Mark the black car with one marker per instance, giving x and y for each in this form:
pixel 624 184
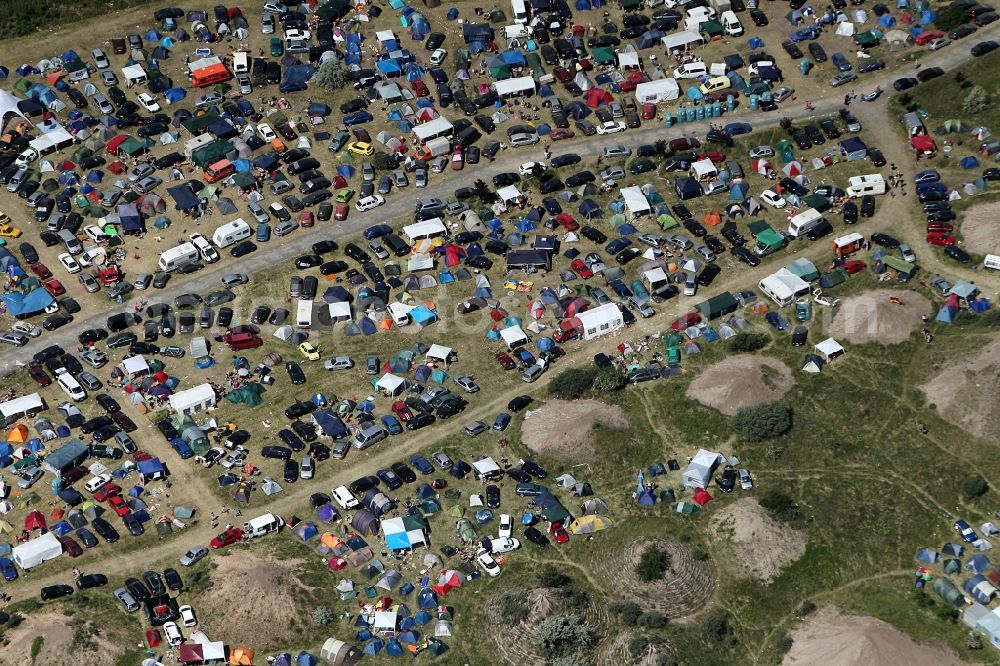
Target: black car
pixel 136 588
pixel 929 73
pixel 299 408
pixel 403 472
pixel 829 127
pixel 904 83
pixel 799 336
pixel 708 275
pixel 878 159
pixel 293 441
pixel 746 256
pixel 568 159
pixel 518 403
pixel 132 524
pixel 727 481
pixel 731 234
pixel 492 496
pixel 792 49
pixel 536 537
pixel 241 249
pixel 304 430
pixel 695 227
pixel 534 469
pixel 867 205
pixel 885 240
pixel 276 452
pixel 982 48
pixel 291 471
pixel 759 19
pixel 820 230
pixel 450 406
pixel 962 31
pixel 154 582
pixel 363 485
pixel 420 420
pixel 595 235
pixel 817 52
pixel 356 253
pixel 50 592
pixel 958 254
pixel 173 579
pixel 519 475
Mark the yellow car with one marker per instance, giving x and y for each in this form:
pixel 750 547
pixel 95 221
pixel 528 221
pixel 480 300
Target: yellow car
pixel 361 148
pixel 7 230
pixel 309 351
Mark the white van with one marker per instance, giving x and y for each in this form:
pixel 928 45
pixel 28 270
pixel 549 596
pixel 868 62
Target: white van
pixel 731 24
pixel 992 262
pixel 344 498
pixel 858 186
pixel 804 222
pixel 231 233
pixel 69 385
pixel 691 70
pixel 176 257
pixel 205 249
pixel 304 314
pixel 519 11
pixel 241 62
pixel 262 525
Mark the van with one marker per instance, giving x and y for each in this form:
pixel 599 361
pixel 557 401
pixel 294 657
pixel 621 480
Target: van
pixel 344 498
pixel 992 262
pixel 396 245
pixel 859 186
pixel 369 435
pixel 69 239
pixel 241 62
pixel 208 253
pixel 519 11
pixel 231 233
pixel 176 257
pixel 715 83
pixel 262 525
pixel 304 314
pixel 691 70
pixel 219 170
pixel 18 179
pixel 731 24
pixel 801 224
pixel 69 385
pixel 237 341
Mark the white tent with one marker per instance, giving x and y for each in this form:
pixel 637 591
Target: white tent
pixel 425 229
pixel 699 471
pixel 635 200
pixel 195 399
pixel 8 105
pixel 440 126
pixel 681 40
pixel 517 87
pixel 420 262
pixel 5 506
pixel 284 333
pixel 845 29
pixel 383 621
pixel 270 486
pixel 340 311
pixel 829 349
pixel 509 194
pixel 23 406
pixel 513 336
pixel 31 554
pixel 486 467
pixel 135 365
pixel 391 383
pixel 654 92
pixel 704 170
pixel 439 352
pixel 601 320
pixel 627 59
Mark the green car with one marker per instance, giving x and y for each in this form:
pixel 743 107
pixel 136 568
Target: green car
pixel 344 195
pixel 673 356
pixel 276 47
pixel 803 311
pixel 121 340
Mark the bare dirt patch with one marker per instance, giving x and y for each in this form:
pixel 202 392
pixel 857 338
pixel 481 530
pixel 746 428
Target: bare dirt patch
pixel 754 543
pixel 981 228
pixel 872 317
pixel 60 647
pixel 562 427
pixel 833 639
pixel 242 584
pixel 965 391
pixel 683 591
pixel 741 381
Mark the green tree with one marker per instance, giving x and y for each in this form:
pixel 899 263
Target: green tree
pixel 653 563
pixel 513 609
pixel 717 625
pixel 609 380
pixel 976 101
pixel 330 76
pixel 322 616
pixel 628 611
pixel 572 383
pixel 383 161
pixel 560 635
pixel 483 191
pixel 782 643
pixel 550 576
pixel 749 341
pixel 651 620
pixel 781 506
pixel 765 421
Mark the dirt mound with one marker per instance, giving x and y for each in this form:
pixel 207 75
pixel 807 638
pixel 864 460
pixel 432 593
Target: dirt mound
pixel 833 639
pixel 965 391
pixel 562 427
pixel 61 645
pixel 741 381
pixel 684 589
pixel 981 227
pixel 872 317
pixel 755 544
pixel 242 584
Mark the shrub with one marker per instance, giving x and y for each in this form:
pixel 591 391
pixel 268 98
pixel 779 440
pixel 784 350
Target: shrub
pixel 574 597
pixel 652 564
pixel 330 76
pixel 974 486
pixel 382 161
pixel 807 607
pixel 609 380
pixel 973 641
pixel 748 341
pixel 717 625
pixel 563 635
pixel 513 609
pixel 652 620
pixel 976 101
pixel 949 18
pixel 571 660
pixel 699 554
pixel 322 616
pixel 765 421
pixel 783 643
pixel 628 611
pixel 550 576
pixel 36 647
pixel 572 383
pixel 780 505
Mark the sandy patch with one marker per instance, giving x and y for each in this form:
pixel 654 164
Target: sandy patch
pixel 243 583
pixel 755 544
pixel 562 427
pixel 833 639
pixel 966 389
pixel 59 647
pixel 981 228
pixel 741 381
pixel 872 317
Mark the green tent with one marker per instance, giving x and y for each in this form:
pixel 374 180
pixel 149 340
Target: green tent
pixel 666 221
pixel 687 508
pixel 245 181
pixel 673 339
pixel 243 396
pixel 196 124
pixel 211 153
pixel 456 511
pixel 432 506
pixel 817 201
pixel 500 73
pixel 711 28
pixel 22 86
pixel 604 55
pixel 867 39
pixel 466 531
pixel 833 278
pixel 785 150
pixel 132 147
pixel 904 268
pixel 436 647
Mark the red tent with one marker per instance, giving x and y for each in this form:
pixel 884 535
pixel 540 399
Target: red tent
pixel 596 97
pixel 453 254
pixel 113 144
pixel 336 564
pixel 161 376
pixel 35 521
pixel 117 168
pixel 701 497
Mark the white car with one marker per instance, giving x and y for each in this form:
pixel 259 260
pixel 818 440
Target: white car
pixel 338 363
pixel 266 133
pixel 293 34
pixel 244 83
pixel 148 102
pixel 94 233
pixel 28 329
pixel 773 199
pixel 761 151
pixel 344 498
pixel 69 263
pixel 97 482
pixel 746 483
pixel 532 168
pixel 173 632
pixel 488 564
pixel 506 526
pixel 367 203
pixel 610 127
pixel 504 545
pixel 187 616
pixel 754 68
pixel 438 56
pixel 907 253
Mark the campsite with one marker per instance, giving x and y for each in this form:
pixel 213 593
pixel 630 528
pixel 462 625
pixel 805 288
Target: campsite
pixel 547 332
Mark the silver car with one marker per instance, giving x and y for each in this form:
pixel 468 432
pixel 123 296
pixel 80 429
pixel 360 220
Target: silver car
pixel 705 253
pixel 613 173
pixel 523 139
pixel 617 151
pixel 29 477
pixel 399 179
pixel 680 241
pixel 339 363
pixel 532 373
pixel 109 78
pixel 14 338
pixel 193 555
pixel 127 600
pixel 285 228
pixel 100 59
pixel 244 82
pixel 146 184
pixel 208 99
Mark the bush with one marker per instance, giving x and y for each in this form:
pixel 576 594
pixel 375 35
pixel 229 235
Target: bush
pixel 974 486
pixel 652 564
pixel 783 643
pixel 976 101
pixel 652 620
pixel 973 641
pixel 513 609
pixel 571 660
pixel 628 611
pixel 699 554
pixel 330 76
pixel 781 506
pixel 560 635
pixel 807 607
pixel 748 341
pixel 949 18
pixel 717 626
pixel 574 597
pixel 550 576
pixel 322 616
pixel 572 383
pixel 609 380
pixel 765 421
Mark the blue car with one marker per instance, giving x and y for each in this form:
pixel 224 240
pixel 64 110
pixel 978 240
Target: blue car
pixel 805 34
pixel 927 176
pixel 502 421
pixel 525 356
pixel 246 108
pixel 292 86
pixel 736 129
pixel 840 62
pixel 389 478
pixel 8 570
pixel 617 245
pixel 86 537
pixel 931 187
pixel 377 231
pixel 776 320
pixel 421 464
pixel 182 448
pixel 359 118
pixel 263 232
pixel 965 530
pixel 552 206
pixel 391 424
pixel 439 75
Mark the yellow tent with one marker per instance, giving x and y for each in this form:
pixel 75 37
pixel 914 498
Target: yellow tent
pixel 6 527
pixel 590 524
pixel 241 656
pixel 18 434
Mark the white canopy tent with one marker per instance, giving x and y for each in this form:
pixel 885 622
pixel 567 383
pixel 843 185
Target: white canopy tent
pixel 513 336
pixel 699 471
pixel 426 229
pixel 195 399
pixel 439 352
pixel 391 383
pixel 486 467
pixel 830 349
pixel 135 365
pixel 635 200
pixel 340 311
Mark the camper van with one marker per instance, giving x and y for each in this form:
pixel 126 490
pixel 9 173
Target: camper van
pixel 519 11
pixel 205 249
pixel 176 257
pixel 804 222
pixel 192 145
pixel 731 24
pixel 304 314
pixel 848 244
pixel 400 313
pixel 231 233
pixel 858 186
pixel 241 62
pixel 992 262
pixel 262 525
pixel 691 70
pixel 219 170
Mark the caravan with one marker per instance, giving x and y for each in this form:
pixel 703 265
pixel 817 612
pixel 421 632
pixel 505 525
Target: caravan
pixel 304 314
pixel 176 257
pixel 849 244
pixel 859 186
pixel 804 222
pixel 519 10
pixel 241 62
pixel 230 233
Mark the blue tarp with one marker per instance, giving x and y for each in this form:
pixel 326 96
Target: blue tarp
pixel 26 304
pixel 174 95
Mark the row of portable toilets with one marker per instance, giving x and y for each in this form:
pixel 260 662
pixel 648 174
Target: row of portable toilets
pixel 714 110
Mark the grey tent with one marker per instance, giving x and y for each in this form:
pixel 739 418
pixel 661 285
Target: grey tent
pixel 389 580
pixel 365 522
pixel 949 593
pixel 226 206
pixel 339 653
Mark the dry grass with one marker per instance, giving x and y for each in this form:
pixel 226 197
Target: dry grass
pixel 60 647
pixel 965 391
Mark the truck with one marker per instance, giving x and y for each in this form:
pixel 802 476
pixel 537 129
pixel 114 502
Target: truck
pixel 205 249
pixel 768 240
pixel 262 525
pixel 433 148
pixel 568 329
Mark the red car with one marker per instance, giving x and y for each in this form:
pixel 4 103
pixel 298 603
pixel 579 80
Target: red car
pixel 567 221
pixel 457 160
pixel 401 411
pixel 40 269
pixel 940 239
pixel 939 228
pixel 580 268
pixel 715 156
pixel 854 266
pixel 648 111
pixel 340 212
pixel 560 133
pixel 420 88
pixel 684 143
pixel 559 532
pixel 54 287
pixel 109 276
pixel 37 373
pixel 562 74
pixel 306 219
pixel 628 85
pixel 927 37
pixel 153 638
pixel 107 491
pixel 684 321
pixel 118 505
pixel 505 361
pixel 227 538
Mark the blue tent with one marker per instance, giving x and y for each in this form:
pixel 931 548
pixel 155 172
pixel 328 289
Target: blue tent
pixel 27 304
pixel 646 498
pixel 544 344
pixel 928 556
pixel 173 95
pixel 327 513
pixel 525 226
pixel 425 599
pixel 70 496
pixel 738 191
pixel 977 564
pixel 306 530
pixel 152 35
pixel 393 648
pixel 61 528
pixel 969 162
pixel 423 315
pixel 346 171
pixel 422 617
pixel 373 647
pixel 303 658
pixel 266 162
pixel 283 659
pixel 589 209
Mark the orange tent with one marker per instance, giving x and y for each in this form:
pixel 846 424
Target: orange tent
pixel 241 656
pixel 18 434
pixel 57 514
pixel 713 218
